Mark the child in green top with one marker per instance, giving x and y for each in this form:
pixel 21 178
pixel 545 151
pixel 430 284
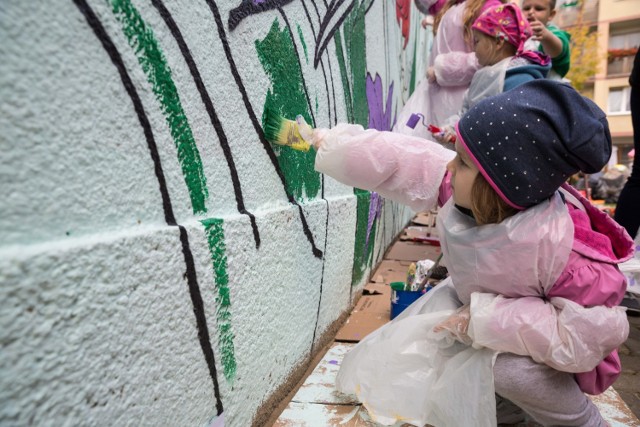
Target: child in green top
pixel 549 39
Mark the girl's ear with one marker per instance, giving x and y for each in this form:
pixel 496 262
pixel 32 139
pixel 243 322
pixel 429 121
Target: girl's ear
pixel 505 48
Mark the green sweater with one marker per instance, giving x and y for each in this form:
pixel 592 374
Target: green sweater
pixel 561 63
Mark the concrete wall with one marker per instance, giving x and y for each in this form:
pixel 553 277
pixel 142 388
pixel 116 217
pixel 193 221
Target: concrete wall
pixel 161 263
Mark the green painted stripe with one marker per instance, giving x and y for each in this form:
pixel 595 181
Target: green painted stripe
pixel 304 45
pixel 215 237
pixel 344 75
pixel 154 64
pixel 355 43
pixel 287 96
pixel 362 256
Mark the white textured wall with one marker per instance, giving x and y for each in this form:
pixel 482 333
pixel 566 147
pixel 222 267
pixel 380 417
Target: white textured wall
pixel 123 302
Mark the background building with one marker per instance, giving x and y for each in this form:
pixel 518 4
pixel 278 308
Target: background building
pixel 618 25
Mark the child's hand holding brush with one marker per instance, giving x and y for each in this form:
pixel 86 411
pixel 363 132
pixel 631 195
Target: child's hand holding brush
pixel 313 137
pixel 298 135
pixel 295 134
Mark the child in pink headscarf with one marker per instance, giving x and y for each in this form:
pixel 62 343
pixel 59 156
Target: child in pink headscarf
pixel 499 35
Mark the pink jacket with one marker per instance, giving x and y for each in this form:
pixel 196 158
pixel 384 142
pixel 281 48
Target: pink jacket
pixel 591 277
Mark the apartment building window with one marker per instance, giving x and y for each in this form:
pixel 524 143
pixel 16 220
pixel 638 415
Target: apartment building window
pixel 623 46
pixel 619 100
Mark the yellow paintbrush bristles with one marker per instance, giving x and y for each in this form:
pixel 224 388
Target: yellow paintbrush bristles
pixel 281 131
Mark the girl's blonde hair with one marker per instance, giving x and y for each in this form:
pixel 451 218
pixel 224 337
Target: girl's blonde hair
pixel 486 205
pixel 471 12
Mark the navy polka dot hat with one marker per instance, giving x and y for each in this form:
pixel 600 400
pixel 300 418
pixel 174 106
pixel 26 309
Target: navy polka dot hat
pixel 526 142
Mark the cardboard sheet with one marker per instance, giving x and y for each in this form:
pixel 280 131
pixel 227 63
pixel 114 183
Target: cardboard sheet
pixel 372 311
pixel 423 218
pixel 420 235
pixel 411 251
pixel 391 271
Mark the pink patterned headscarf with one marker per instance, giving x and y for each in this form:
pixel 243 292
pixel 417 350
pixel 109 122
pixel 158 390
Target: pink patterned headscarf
pixel 507 22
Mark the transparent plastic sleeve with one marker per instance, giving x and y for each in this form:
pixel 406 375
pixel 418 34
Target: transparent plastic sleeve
pixel 406 169
pixel 559 332
pixel 455 68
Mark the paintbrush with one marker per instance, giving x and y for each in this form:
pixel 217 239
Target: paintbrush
pixel 282 131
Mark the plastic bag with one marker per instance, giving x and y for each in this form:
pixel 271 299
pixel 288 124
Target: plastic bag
pixel 406 372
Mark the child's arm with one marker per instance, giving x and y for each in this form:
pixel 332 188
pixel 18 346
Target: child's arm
pixel 559 333
pixel 406 169
pixel 555 43
pixel 551 43
pixel 454 68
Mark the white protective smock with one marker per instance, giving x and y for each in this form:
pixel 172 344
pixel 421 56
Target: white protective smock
pixel 487 81
pixel 404 371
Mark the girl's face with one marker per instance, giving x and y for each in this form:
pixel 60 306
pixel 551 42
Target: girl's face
pixel 463 174
pixel 485 48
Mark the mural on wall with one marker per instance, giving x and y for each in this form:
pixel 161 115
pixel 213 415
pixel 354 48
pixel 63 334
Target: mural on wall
pixel 341 26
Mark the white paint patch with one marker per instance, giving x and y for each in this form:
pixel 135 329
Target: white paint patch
pixel 319 387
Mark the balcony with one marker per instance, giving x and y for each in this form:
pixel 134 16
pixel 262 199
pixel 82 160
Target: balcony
pixel 620 61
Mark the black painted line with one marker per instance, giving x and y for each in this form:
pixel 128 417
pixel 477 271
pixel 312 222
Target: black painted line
pixel 248 8
pixel 333 91
pixel 198 310
pixel 323 26
pixel 326 228
pixel 326 18
pixel 213 116
pixel 313 30
pixel 326 90
pixel 315 38
pixel 116 59
pixel 326 237
pixel 256 124
pixel 345 81
pixel 192 280
pixel 316 8
pixel 369 7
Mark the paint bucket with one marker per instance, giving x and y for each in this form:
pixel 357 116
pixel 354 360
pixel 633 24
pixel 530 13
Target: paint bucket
pixel 401 299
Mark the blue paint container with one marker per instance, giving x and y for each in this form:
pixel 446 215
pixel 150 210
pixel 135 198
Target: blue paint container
pixel 402 299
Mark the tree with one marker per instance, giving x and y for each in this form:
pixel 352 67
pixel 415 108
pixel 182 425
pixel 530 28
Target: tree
pixel 585 54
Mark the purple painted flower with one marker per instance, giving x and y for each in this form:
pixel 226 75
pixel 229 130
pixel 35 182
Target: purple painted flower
pixel 380 119
pixel 375 208
pixel 379 112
